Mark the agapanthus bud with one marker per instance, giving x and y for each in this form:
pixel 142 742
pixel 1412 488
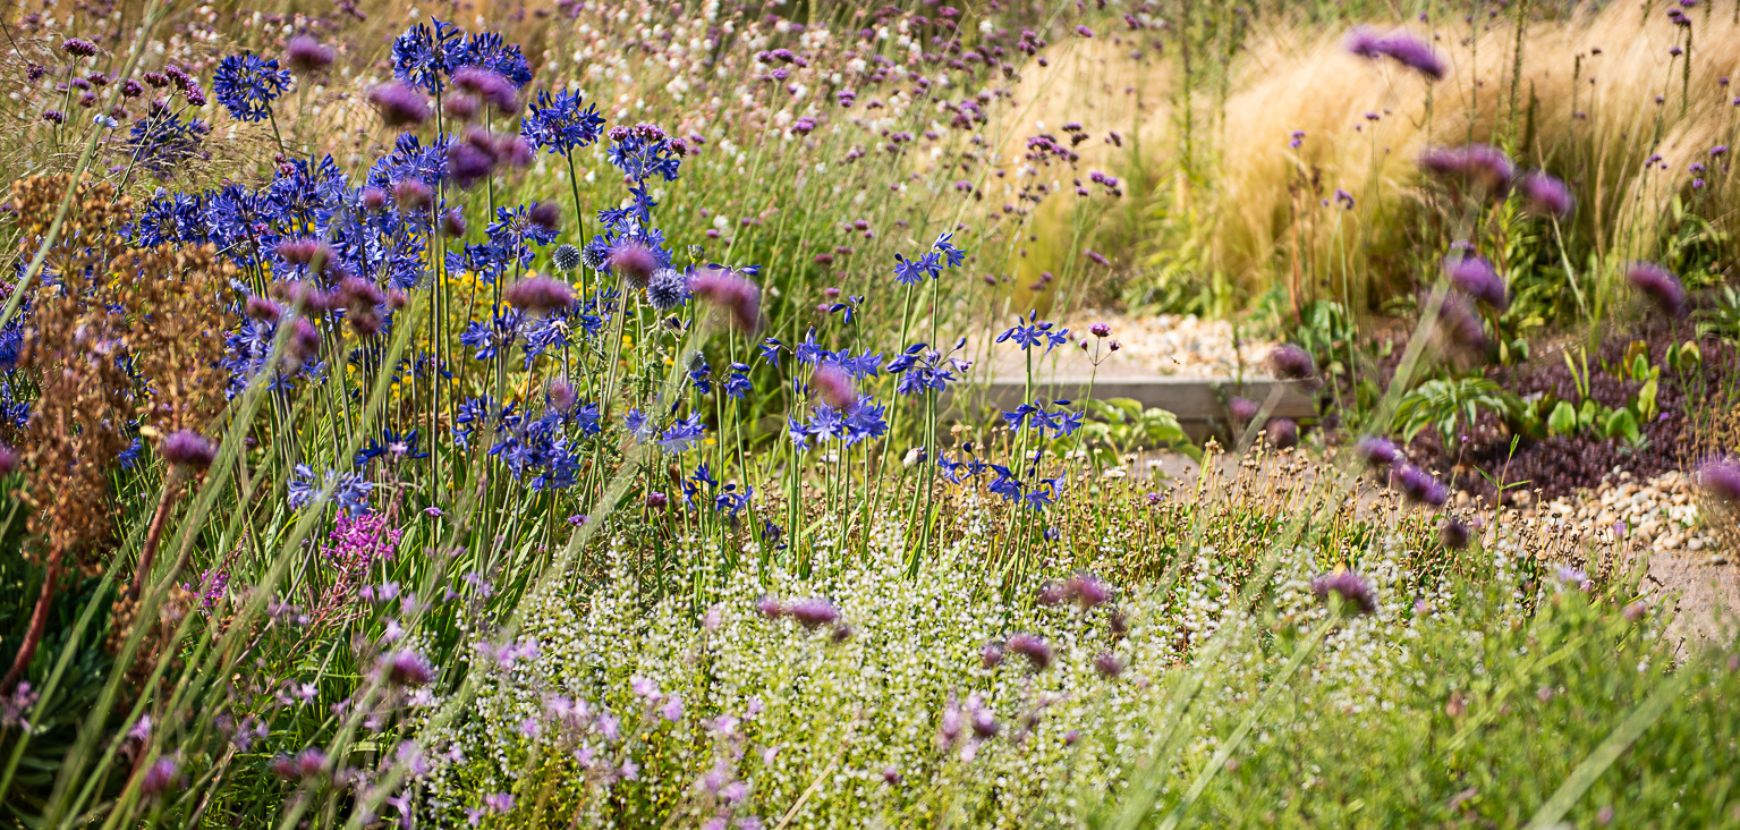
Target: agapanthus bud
pixel 1355 593
pixel 400 105
pixel 305 54
pixel 1034 649
pixel 538 294
pixel 633 260
pixel 1289 362
pixel 186 448
pixel 1659 285
pixel 728 290
pixel 834 386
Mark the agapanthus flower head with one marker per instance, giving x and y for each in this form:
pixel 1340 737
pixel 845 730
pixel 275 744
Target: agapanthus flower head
pixel 732 292
pixel 559 124
pixel 1482 166
pixel 667 289
pixel 490 87
pixel 1290 362
pixel 538 294
pixel 633 260
pixel 1659 285
pixel 186 448
pixel 1474 276
pixel 307 55
pixel 1545 195
pixel 1721 478
pixel 399 104
pixel 1036 650
pixel 247 84
pixel 834 385
pixel 1283 433
pixel 1353 591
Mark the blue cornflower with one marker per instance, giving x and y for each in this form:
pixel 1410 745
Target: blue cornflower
pixel 682 434
pixel 558 124
pixel 247 84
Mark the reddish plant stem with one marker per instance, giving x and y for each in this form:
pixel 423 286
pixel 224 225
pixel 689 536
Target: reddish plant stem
pixel 38 621
pixel 153 535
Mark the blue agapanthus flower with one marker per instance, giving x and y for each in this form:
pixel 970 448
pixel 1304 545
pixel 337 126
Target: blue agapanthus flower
pixel 423 57
pixel 559 124
pixel 488 50
pixel 247 84
pixel 348 490
pixel 162 142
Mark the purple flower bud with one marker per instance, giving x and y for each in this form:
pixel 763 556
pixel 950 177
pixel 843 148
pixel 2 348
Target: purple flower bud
pixel 1088 592
pixel 1419 485
pixel 1721 479
pixel 545 215
pixel 633 260
pixel 834 386
pixel 1354 592
pixel 8 460
pixel 303 766
pixel 407 668
pixel 460 106
pixel 656 500
pixel 490 86
pixel 1101 330
pixel 1454 534
pixel 373 198
pixel 186 448
pixel 561 396
pixel 1485 167
pixel 306 55
pixel 1378 452
pixel 1242 410
pixel 400 105
pixel 160 778
pixel 770 608
pixel 538 294
pixel 262 309
pixel 1034 649
pixel 991 655
pixel 1108 664
pixel 1474 276
pixel 739 297
pixel 411 194
pixel 79 47
pixel 1659 285
pixel 1545 195
pixel 1283 433
pixel 814 612
pixel 453 223
pixel 1289 362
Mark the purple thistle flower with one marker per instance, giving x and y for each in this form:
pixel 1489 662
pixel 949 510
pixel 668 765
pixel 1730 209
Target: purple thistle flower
pixel 727 289
pixel 538 294
pixel 633 260
pixel 306 55
pixel 561 395
pixel 490 87
pixel 1291 362
pixel 1659 285
pixel 991 655
pixel 1108 665
pixel 1034 649
pixel 1352 589
pixel 400 105
pixel 1378 452
pixel 1474 276
pixel 186 448
pixel 407 668
pixel 813 613
pixel 1283 433
pixel 1721 478
pixel 1087 591
pixel 1419 485
pixel 1545 195
pixel 1454 534
pixel 834 386
pixel 1243 410
pixel 303 766
pixel 1481 165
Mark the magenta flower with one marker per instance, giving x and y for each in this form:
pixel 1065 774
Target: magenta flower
pixel 538 294
pixel 1353 591
pixel 399 105
pixel 1659 285
pixel 1545 195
